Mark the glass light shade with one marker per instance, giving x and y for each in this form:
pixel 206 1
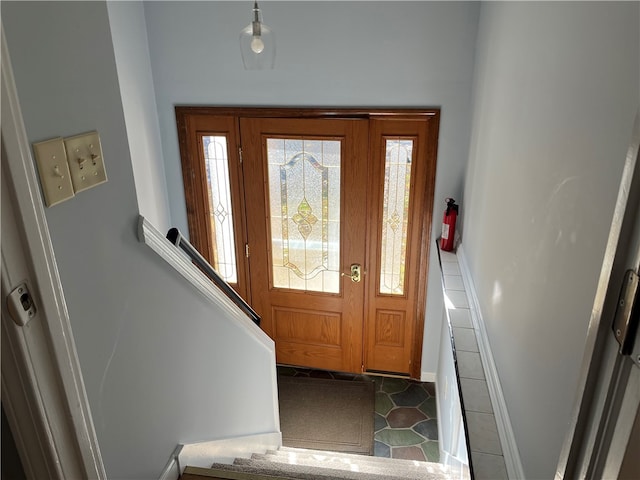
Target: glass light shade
pixel 257 44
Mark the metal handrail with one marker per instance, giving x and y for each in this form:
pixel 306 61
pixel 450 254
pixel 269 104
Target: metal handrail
pixel 175 237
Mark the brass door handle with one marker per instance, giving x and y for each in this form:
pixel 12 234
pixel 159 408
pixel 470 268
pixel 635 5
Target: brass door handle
pixel 355 274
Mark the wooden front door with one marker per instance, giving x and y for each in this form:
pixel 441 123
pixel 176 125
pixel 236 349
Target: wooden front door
pixel 334 219
pixel 306 220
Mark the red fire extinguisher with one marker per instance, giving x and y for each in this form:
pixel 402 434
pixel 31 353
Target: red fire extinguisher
pixel 449 225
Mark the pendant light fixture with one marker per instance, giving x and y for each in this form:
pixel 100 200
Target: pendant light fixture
pixel 257 43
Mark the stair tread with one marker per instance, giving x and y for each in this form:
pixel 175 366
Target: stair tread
pixel 364 465
pixel 300 473
pixel 322 470
pixel 303 452
pixel 215 473
pixel 289 463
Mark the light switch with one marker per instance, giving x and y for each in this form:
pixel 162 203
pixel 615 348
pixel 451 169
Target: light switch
pixel 86 164
pixel 54 171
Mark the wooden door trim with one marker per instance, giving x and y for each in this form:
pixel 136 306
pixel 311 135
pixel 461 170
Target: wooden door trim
pixel 431 115
pixel 426 243
pixel 313 112
pixel 194 183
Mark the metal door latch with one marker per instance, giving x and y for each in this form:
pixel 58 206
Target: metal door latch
pixel 354 273
pixel 20 305
pixel 625 322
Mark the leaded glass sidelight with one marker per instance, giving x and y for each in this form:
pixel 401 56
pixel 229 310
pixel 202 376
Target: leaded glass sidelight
pixel 217 165
pixel 304 202
pixel 395 214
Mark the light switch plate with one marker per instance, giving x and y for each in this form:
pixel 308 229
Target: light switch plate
pixel 86 164
pixel 54 171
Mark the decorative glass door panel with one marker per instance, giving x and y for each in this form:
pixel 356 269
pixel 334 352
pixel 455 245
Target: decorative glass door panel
pixel 221 214
pixel 304 202
pixel 395 215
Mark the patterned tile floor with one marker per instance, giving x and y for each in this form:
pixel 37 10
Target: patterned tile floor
pixel 406 424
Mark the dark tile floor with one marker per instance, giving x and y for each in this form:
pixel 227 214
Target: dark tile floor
pixel 406 424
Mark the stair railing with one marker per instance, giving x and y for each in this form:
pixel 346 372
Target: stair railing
pixel 175 237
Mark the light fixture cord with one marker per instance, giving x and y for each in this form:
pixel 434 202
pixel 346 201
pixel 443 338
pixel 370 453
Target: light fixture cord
pixel 256 25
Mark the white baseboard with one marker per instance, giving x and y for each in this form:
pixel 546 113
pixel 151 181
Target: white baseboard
pixel 203 454
pixel 428 377
pixel 505 431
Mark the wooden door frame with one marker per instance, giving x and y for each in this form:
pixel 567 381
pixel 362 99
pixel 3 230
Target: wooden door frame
pixel 183 113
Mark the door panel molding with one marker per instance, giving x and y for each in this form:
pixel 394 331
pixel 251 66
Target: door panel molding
pixel 319 327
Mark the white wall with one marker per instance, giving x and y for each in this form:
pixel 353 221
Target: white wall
pixel 345 54
pixel 556 90
pixel 131 50
pixel 155 356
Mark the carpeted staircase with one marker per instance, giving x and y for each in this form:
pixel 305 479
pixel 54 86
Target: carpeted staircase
pixel 295 463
